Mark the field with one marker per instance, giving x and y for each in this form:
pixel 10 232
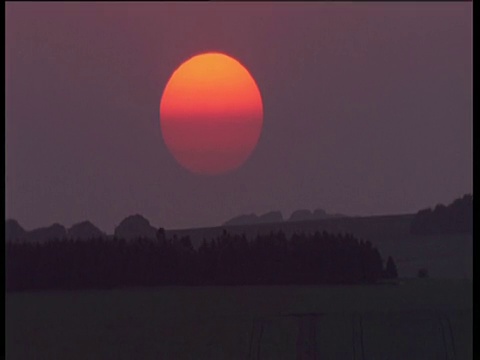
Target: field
pixel 216 322
pixel 399 321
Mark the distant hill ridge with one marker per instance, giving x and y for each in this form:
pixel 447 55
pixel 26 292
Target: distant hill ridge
pixel 13 230
pixel 85 230
pixel 276 216
pixel 133 226
pixel 456 217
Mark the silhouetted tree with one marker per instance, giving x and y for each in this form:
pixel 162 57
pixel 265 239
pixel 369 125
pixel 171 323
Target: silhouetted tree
pixel 391 269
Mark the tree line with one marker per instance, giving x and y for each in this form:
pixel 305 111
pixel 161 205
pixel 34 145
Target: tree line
pixel 454 218
pixel 319 258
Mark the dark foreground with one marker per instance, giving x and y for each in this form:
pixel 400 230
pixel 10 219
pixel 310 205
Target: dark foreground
pixel 216 322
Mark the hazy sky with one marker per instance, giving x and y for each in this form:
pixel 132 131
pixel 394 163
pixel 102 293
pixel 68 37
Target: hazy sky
pixel 367 109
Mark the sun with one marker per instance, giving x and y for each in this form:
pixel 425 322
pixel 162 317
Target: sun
pixel 211 114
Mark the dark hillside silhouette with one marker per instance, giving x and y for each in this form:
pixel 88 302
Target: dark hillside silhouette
pixel 269 217
pixel 81 231
pixel 454 218
pixel 320 214
pixel 300 215
pixel 13 230
pixel 55 231
pixel 273 259
pixel 277 217
pixel 306 215
pixel 84 230
pixel 135 226
pixel 243 220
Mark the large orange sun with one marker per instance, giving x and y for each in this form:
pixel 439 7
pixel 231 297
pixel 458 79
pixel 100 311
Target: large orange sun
pixel 211 114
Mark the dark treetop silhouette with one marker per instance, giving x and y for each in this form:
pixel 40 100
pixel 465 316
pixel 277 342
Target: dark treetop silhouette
pixel 454 218
pixel 320 258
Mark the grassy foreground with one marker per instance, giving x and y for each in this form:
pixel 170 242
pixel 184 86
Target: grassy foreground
pixel 212 322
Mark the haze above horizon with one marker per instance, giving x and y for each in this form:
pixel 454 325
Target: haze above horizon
pixel 367 109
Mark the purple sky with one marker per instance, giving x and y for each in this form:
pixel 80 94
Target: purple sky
pixel 368 109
